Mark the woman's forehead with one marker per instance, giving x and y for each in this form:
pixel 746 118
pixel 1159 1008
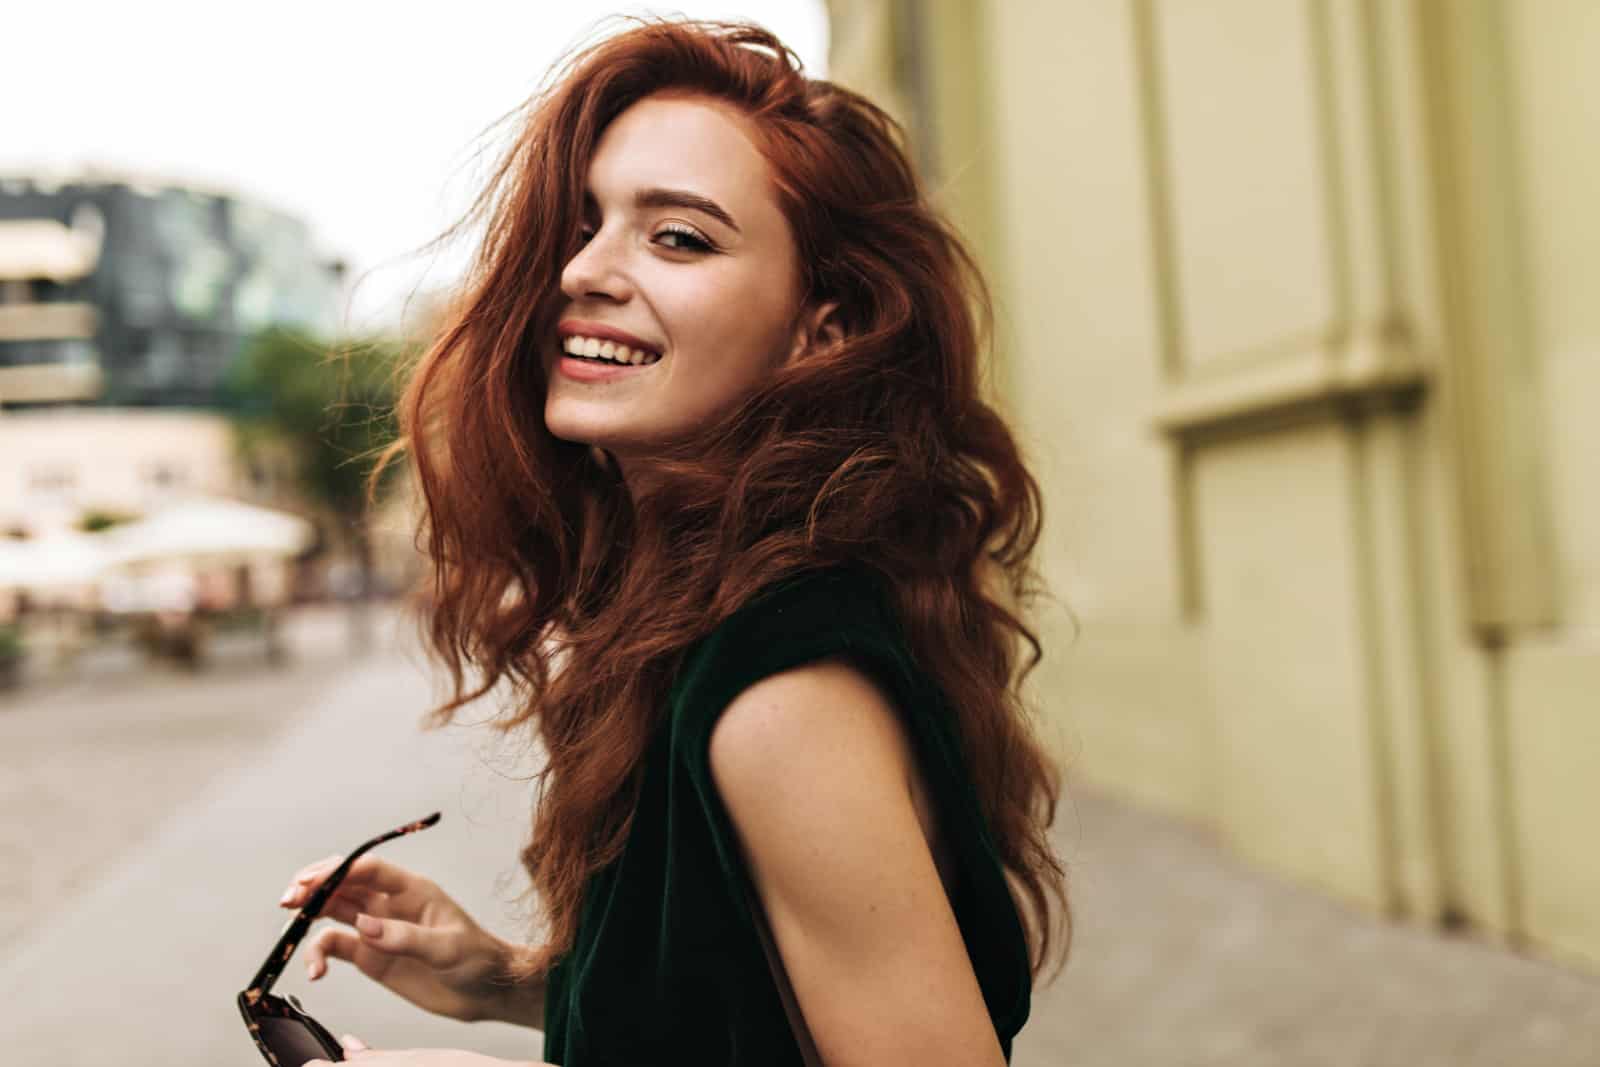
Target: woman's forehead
pixel 684 142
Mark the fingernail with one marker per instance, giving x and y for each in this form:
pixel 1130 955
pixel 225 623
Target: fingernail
pixel 353 1043
pixel 369 925
pixel 288 895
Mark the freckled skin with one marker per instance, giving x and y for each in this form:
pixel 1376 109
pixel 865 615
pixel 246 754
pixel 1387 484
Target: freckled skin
pixel 724 319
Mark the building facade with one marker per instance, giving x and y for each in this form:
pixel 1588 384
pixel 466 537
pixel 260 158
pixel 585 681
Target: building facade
pixel 1298 321
pixel 58 465
pixel 130 291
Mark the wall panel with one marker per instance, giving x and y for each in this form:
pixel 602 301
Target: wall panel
pixel 1238 92
pixel 1278 548
pixel 1078 304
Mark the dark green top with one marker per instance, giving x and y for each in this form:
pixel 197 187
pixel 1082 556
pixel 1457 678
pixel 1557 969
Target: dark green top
pixel 667 967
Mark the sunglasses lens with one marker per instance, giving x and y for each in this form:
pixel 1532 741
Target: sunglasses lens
pixel 292 1042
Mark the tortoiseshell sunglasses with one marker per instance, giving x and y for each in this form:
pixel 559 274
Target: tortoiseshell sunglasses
pixel 281 1029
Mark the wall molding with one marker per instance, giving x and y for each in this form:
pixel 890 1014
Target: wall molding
pixel 1376 370
pixel 1490 384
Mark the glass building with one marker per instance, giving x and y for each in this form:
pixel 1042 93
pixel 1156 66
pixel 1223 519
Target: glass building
pixel 125 292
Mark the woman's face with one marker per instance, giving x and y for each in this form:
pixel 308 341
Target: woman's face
pixel 687 255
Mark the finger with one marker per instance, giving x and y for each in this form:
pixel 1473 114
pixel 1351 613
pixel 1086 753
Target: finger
pixel 351 1043
pixel 344 902
pixel 307 878
pixel 432 947
pixel 374 872
pixel 345 907
pixel 368 872
pixel 332 942
pixel 314 871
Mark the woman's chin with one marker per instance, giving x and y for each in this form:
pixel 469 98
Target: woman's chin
pixel 605 443
pixel 597 433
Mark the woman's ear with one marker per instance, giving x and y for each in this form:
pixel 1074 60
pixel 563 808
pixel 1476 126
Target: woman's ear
pixel 818 327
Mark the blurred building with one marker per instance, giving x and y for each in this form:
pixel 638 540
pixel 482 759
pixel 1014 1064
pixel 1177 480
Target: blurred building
pixel 129 291
pixel 60 465
pixel 1298 320
pixel 124 301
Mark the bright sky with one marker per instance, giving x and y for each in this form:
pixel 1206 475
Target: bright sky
pixel 360 117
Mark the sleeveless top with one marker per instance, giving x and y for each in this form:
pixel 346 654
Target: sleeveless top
pixel 667 965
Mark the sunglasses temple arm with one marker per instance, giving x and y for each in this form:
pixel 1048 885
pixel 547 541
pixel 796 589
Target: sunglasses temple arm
pixel 296 929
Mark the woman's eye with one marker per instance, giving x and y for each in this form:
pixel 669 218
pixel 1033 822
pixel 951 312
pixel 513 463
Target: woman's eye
pixel 681 238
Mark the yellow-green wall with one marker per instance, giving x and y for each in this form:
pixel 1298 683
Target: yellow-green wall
pixel 1299 322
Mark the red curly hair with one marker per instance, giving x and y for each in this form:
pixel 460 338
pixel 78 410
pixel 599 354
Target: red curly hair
pixel 877 450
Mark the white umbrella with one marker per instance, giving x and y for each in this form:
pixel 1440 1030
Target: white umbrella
pixel 60 560
pixel 209 530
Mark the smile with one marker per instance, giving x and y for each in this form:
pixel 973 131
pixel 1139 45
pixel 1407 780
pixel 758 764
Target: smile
pixel 593 348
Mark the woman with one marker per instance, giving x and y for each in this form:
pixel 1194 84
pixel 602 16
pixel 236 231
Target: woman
pixel 710 480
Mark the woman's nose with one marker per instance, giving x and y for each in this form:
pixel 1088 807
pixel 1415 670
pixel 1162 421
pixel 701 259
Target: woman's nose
pixel 596 270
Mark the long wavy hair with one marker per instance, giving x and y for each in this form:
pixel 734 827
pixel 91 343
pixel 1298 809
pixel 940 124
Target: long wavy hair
pixel 877 450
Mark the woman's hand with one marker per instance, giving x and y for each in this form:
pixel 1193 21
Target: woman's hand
pixel 403 931
pixel 357 1052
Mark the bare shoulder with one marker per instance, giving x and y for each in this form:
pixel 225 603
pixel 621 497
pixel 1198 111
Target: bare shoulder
pixel 810 725
pixel 817 773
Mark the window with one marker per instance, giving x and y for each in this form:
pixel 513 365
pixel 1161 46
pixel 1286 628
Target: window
pixel 47 352
pixel 52 479
pixel 165 475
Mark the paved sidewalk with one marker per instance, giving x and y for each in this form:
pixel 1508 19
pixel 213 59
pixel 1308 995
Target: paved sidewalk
pixel 142 969
pixel 94 763
pixel 1183 957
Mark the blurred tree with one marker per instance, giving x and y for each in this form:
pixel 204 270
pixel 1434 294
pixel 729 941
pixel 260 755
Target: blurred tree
pixel 96 520
pixel 330 409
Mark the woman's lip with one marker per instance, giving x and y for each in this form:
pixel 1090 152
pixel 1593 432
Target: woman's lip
pixel 601 332
pixel 583 370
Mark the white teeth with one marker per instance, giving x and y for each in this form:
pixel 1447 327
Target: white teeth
pixel 598 349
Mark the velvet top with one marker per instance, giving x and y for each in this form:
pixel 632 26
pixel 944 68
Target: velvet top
pixel 667 966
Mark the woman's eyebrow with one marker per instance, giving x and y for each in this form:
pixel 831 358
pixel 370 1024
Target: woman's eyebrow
pixel 658 197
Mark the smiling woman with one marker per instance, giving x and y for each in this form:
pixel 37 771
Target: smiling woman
pixel 686 255
pixel 710 481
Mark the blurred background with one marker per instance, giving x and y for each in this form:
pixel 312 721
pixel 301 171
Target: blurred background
pixel 1296 317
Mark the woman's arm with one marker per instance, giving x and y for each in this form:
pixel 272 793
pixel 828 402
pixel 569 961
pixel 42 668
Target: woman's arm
pixel 405 932
pixel 521 1003
pixel 816 772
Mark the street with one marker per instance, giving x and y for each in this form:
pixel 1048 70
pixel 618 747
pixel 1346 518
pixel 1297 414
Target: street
pixel 91 767
pixel 155 817
pixel 162 815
